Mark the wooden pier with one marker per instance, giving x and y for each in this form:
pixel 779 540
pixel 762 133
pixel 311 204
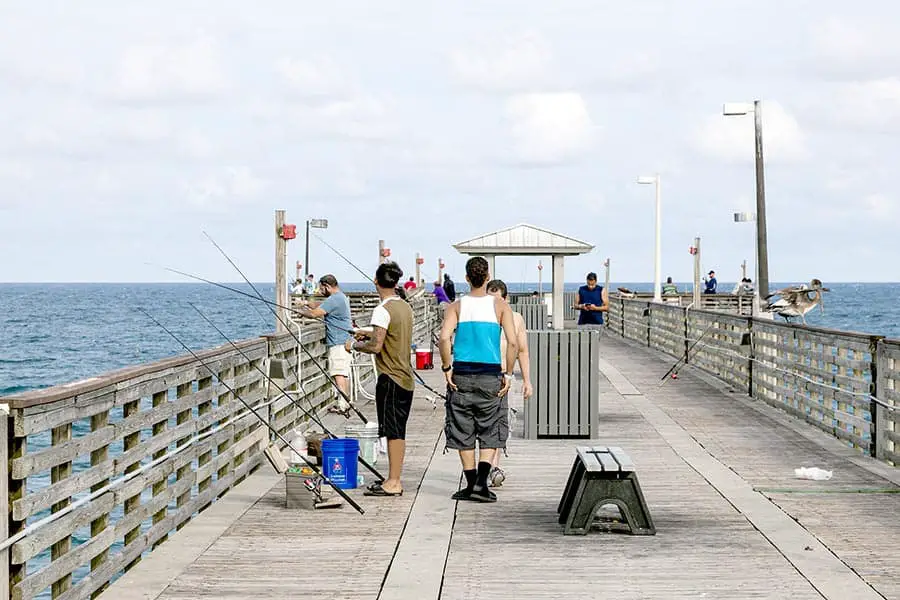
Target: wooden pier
pixel 167 495
pixel 717 472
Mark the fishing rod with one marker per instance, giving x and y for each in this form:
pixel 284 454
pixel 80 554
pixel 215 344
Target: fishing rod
pixel 686 353
pixel 349 262
pixel 248 295
pixel 296 403
pixel 309 463
pixel 291 331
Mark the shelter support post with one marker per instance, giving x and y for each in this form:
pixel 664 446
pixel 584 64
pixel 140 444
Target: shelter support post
pixel 558 285
pixel 492 265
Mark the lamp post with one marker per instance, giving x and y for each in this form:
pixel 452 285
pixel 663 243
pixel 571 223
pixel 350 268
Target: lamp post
pixel 746 217
pixel 316 224
pixel 762 253
pixel 540 279
pixel 657 264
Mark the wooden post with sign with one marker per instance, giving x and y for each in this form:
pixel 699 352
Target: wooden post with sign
pixel 380 251
pixel 419 262
pixel 281 290
pixel 440 277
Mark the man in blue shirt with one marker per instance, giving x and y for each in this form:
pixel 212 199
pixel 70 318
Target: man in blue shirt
pixel 711 283
pixel 335 310
pixel 592 301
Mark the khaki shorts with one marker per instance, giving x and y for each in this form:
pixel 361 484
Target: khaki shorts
pixel 338 361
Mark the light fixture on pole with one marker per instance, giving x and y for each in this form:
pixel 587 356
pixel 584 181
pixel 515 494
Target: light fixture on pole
pixel 657 263
pixel 748 217
pixel 316 224
pixel 731 109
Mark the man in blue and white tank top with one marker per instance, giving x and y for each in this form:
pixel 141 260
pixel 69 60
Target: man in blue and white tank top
pixel 476 379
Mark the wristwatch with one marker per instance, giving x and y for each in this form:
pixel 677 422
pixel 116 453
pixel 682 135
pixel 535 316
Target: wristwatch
pixel 446 369
pixel 509 376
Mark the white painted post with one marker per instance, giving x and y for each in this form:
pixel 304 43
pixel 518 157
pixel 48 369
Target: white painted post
pixel 558 288
pixel 492 265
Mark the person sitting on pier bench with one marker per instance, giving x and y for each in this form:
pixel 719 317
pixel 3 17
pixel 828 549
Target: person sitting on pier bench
pixel 592 301
pixel 711 283
pixel 335 310
pixel 669 288
pixel 309 286
pixel 497 288
pixel 390 341
pixel 476 381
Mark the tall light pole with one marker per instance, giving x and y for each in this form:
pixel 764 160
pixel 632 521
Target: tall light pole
pixel 316 224
pixel 762 253
pixel 657 264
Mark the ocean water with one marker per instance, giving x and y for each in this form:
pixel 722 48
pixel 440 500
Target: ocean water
pixel 57 333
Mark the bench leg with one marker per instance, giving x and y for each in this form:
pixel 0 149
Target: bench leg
pixel 592 494
pixel 565 503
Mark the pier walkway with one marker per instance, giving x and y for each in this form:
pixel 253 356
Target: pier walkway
pixel 716 468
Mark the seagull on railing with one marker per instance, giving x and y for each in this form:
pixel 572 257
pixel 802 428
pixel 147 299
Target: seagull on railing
pixel 797 300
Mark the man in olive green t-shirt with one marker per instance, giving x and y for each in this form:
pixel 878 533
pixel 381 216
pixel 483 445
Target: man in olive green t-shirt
pixel 390 341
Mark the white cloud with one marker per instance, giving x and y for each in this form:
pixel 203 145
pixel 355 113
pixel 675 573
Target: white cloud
pixel 869 104
pixel 235 185
pixel 730 139
pixel 314 78
pixel 880 206
pixel 841 43
pixel 510 63
pixel 160 72
pixel 549 128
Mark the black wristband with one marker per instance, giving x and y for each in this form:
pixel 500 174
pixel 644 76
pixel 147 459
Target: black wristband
pixel 446 369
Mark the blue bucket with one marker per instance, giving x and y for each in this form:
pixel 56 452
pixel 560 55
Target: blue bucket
pixel 339 461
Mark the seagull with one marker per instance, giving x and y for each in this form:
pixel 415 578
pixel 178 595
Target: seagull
pixel 797 300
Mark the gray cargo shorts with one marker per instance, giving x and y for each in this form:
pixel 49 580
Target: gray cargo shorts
pixel 475 411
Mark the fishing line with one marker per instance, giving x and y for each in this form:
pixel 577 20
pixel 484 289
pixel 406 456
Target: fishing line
pixel 310 464
pixel 296 403
pixel 257 297
pixel 296 338
pixel 349 262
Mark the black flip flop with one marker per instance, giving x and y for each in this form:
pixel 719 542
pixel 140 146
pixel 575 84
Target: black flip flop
pixel 376 490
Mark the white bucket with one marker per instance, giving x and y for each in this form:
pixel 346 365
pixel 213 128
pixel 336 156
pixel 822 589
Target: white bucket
pixel 368 441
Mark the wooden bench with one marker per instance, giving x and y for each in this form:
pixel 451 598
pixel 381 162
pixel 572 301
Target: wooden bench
pixel 601 476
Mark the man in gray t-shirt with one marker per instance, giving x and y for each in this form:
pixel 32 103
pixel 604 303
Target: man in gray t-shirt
pixel 335 310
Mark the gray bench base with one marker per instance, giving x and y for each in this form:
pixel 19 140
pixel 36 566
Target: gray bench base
pixel 602 476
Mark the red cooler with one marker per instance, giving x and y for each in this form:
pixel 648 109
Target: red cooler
pixel 424 359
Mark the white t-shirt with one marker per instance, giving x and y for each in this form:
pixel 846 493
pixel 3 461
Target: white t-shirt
pixel 380 316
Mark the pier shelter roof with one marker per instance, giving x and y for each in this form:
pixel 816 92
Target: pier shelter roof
pixel 523 240
pixel 528 240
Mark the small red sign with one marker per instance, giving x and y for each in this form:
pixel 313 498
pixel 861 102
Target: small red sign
pixel 420 261
pixel 386 252
pixel 288 232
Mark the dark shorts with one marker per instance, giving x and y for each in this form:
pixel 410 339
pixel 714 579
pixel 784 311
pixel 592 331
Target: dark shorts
pixel 392 404
pixel 504 419
pixel 475 411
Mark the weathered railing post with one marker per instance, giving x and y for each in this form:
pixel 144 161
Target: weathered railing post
pixel 751 357
pixel 877 388
pixel 4 498
pixel 649 313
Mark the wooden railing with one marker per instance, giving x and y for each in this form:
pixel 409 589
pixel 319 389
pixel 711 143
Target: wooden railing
pixel 730 303
pixel 101 471
pixel 845 383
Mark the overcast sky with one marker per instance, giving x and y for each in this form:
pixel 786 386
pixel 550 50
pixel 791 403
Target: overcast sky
pixel 129 128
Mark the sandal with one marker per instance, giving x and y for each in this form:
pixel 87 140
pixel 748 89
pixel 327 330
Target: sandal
pixel 376 490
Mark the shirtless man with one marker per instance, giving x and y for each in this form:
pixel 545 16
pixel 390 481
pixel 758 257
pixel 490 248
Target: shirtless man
pixel 497 288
